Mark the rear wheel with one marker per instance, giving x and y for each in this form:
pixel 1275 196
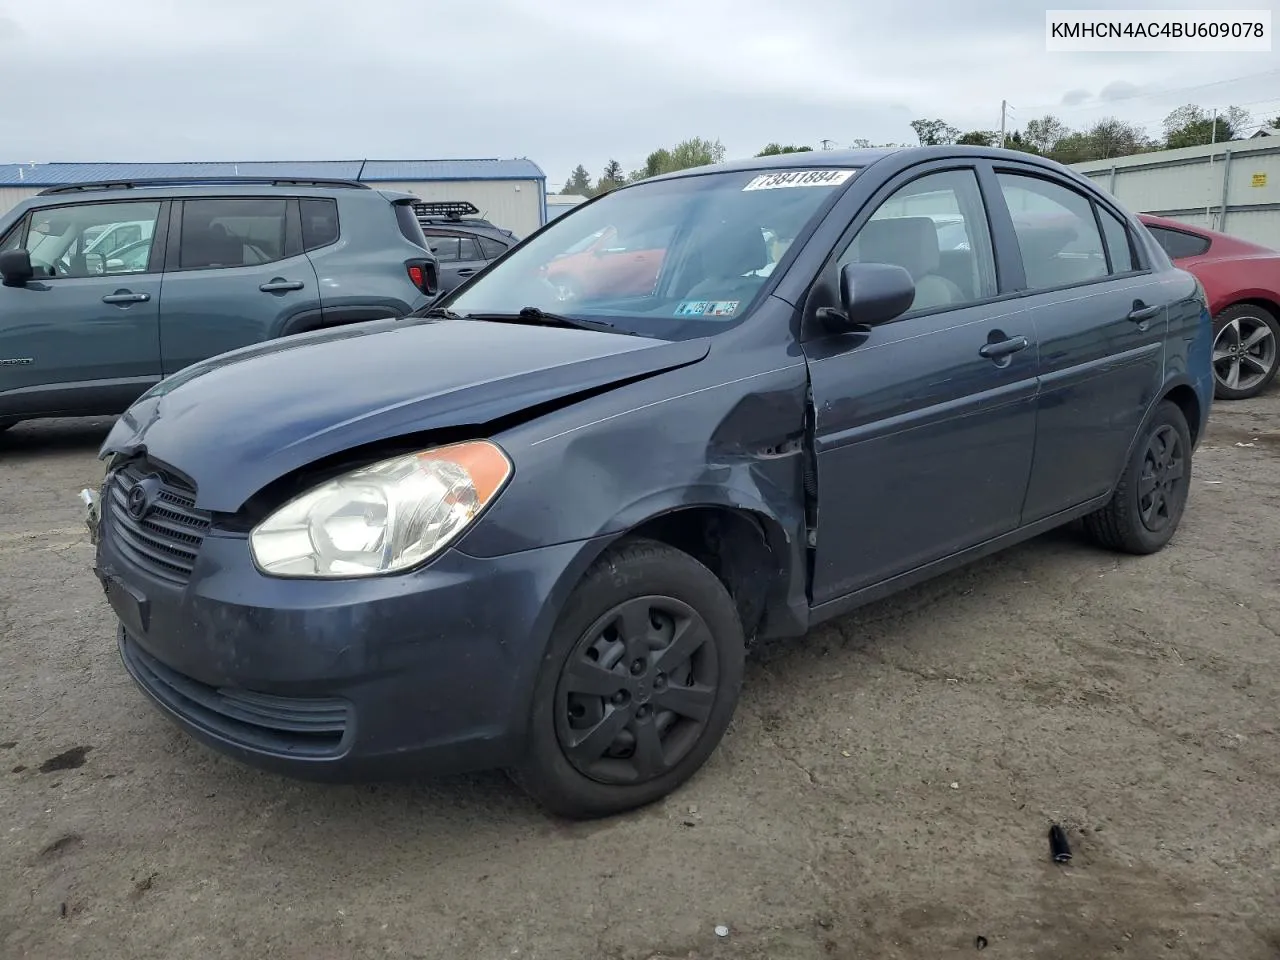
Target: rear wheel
pixel 1246 351
pixel 639 683
pixel 1148 503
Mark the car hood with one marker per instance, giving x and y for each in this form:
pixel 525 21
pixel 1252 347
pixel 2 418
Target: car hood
pixel 236 422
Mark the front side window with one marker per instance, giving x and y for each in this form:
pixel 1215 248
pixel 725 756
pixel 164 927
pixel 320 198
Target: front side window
pixel 1057 234
pixel 231 233
pixel 666 258
pixel 935 228
pixel 1179 245
pixel 77 240
pixel 446 247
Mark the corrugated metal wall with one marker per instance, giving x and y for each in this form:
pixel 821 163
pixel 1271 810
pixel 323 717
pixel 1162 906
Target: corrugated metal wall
pixel 12 196
pixel 513 204
pixel 1233 187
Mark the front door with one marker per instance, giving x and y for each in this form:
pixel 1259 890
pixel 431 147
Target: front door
pixel 83 336
pixel 925 426
pixel 235 274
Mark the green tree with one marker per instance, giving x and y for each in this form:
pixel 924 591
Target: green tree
pixel 1044 133
pixel 777 149
pixel 979 138
pixel 934 132
pixel 610 179
pixel 1192 125
pixel 579 182
pixel 1016 141
pixel 694 152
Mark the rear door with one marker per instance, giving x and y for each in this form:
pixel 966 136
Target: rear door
pixel 458 254
pixel 83 336
pixel 235 274
pixel 1102 319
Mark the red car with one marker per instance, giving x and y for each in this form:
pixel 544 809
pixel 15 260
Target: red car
pixel 605 265
pixel 1242 280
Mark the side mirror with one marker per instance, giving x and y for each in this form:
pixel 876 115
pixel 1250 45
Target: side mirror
pixel 15 268
pixel 871 294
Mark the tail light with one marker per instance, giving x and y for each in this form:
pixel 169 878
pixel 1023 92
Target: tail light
pixel 422 274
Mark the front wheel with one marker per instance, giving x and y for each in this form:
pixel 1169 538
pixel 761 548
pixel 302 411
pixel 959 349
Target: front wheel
pixel 1245 354
pixel 638 685
pixel 1149 500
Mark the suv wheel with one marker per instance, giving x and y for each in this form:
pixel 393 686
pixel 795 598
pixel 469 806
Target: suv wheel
pixel 1152 493
pixel 1245 351
pixel 639 683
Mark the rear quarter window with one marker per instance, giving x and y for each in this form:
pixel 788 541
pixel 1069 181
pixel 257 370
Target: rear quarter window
pixel 410 228
pixel 319 223
pixel 1179 245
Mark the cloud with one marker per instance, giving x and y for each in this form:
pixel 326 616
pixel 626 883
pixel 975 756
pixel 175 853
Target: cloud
pixel 564 83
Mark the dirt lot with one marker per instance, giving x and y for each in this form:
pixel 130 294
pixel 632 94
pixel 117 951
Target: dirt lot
pixel 885 792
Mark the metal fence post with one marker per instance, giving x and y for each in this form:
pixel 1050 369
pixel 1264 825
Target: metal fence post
pixel 1222 210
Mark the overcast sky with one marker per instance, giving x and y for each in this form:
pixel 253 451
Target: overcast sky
pixel 558 81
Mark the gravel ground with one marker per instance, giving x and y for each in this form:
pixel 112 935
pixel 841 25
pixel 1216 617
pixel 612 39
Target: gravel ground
pixel 885 791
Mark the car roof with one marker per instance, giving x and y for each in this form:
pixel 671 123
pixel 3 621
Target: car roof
pixel 241 186
pixel 862 158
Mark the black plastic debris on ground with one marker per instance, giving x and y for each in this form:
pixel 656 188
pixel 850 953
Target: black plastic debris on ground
pixel 1058 846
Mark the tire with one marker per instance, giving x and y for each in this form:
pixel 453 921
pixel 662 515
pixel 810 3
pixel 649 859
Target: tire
pixel 1246 351
pixel 1150 498
pixel 603 693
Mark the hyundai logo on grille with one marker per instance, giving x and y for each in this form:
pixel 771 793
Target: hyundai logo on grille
pixel 142 496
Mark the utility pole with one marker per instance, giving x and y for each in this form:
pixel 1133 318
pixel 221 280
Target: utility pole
pixel 1004 110
pixel 826 144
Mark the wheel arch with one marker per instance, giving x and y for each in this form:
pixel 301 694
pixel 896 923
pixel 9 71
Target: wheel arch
pixel 1251 299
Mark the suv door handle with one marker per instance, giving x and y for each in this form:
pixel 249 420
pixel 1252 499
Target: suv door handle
pixel 124 296
pixel 1141 313
pixel 466 271
pixel 279 285
pixel 1003 348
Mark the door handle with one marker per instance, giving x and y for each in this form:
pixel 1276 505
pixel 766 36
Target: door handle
pixel 124 296
pixel 466 271
pixel 280 286
pixel 1142 313
pixel 1003 348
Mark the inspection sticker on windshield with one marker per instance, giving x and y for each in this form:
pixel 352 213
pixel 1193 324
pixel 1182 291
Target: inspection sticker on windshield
pixel 707 308
pixel 799 178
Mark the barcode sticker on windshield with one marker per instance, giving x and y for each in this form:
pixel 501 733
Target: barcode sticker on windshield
pixel 799 178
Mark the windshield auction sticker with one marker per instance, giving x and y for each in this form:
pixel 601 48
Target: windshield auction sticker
pixel 799 178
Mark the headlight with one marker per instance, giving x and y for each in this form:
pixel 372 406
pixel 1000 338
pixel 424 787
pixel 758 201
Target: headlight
pixel 383 518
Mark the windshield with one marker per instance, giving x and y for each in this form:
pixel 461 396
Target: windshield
pixel 670 258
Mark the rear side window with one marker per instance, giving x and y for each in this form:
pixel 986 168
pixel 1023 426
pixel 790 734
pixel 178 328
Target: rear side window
pixel 1178 244
pixel 1118 246
pixel 410 228
pixel 490 248
pixel 1057 234
pixel 231 233
pixel 319 223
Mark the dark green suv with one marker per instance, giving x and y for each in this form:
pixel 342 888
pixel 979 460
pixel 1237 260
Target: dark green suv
pixel 110 287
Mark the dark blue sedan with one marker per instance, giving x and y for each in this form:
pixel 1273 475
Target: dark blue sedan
pixel 537 533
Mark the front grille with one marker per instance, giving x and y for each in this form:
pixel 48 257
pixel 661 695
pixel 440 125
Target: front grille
pixel 284 726
pixel 165 541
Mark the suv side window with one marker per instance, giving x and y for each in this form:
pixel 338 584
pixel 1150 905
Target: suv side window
pixel 490 248
pixel 1119 246
pixel 1057 234
pixel 449 247
pixel 61 239
pixel 231 233
pixel 1178 244
pixel 319 223
pixel 934 227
